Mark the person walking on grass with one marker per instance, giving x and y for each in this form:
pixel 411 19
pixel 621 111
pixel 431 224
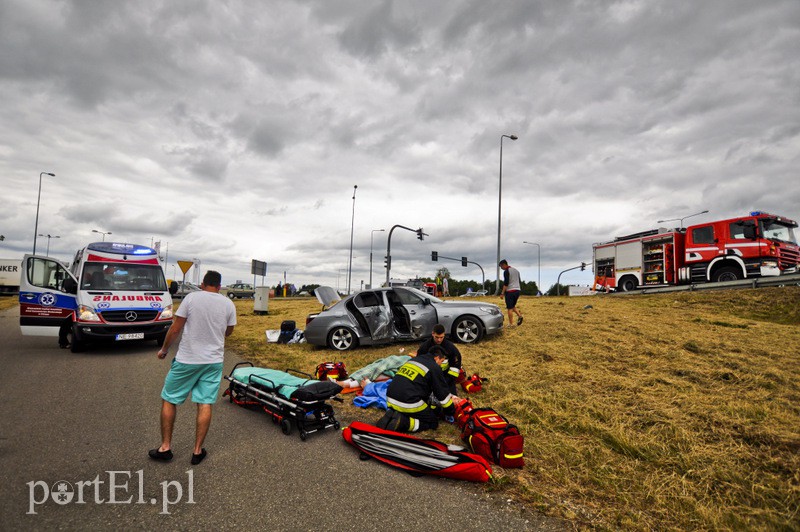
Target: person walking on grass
pixel 206 318
pixel 511 291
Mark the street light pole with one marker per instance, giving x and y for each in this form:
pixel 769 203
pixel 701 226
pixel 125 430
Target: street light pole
pixel 48 242
pixel 371 236
pixel 38 200
pixel 539 259
pixel 352 224
pixel 499 210
pixel 104 233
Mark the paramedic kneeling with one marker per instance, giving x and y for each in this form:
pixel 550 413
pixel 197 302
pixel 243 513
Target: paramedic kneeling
pixel 417 382
pixel 452 364
pixel 206 318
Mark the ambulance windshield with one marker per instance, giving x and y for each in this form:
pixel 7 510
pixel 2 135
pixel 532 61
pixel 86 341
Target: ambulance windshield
pixel 123 277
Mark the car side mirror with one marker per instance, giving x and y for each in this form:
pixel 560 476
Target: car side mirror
pixel 70 286
pixel 173 288
pixel 426 301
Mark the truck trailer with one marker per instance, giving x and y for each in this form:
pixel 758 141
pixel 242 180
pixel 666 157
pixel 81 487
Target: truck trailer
pixel 9 276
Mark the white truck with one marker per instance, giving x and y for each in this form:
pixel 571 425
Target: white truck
pixel 9 276
pixel 112 292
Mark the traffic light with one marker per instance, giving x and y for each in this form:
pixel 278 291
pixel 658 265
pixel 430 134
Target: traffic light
pixel 464 261
pixel 434 256
pixel 387 261
pixel 420 234
pixel 583 266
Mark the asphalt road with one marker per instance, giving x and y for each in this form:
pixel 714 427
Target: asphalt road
pixel 88 420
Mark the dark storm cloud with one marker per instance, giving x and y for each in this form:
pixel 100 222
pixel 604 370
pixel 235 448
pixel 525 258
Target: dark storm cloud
pixel 627 112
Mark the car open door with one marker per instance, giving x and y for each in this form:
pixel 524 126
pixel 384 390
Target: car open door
pixel 47 296
pixel 373 315
pixel 420 312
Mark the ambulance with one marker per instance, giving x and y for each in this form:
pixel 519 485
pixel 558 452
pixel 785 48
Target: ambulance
pixel 113 292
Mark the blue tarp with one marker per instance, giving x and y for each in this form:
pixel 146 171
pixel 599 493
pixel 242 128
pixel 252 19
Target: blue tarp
pixel 373 395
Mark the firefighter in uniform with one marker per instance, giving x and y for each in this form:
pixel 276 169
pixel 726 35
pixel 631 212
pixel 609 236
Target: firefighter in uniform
pixel 451 367
pixel 417 383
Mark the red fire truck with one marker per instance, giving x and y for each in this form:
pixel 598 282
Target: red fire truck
pixel 757 245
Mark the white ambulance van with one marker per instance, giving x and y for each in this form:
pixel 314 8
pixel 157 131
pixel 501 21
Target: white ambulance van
pixel 112 292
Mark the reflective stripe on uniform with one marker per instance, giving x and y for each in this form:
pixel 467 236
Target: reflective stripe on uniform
pixel 448 401
pixel 400 406
pixel 413 424
pixel 411 369
pixel 453 372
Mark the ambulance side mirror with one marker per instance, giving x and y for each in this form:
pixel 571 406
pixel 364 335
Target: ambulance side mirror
pixel 70 286
pixel 173 288
pixel 749 232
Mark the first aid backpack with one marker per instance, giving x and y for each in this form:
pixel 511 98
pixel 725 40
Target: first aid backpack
pixel 491 435
pixel 288 328
pixel 335 371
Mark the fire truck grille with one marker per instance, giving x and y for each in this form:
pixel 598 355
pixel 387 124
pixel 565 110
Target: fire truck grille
pixel 129 316
pixel 788 258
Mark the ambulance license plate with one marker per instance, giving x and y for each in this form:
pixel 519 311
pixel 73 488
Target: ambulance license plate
pixel 130 336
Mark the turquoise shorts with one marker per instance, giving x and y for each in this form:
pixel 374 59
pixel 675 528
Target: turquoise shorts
pixel 201 380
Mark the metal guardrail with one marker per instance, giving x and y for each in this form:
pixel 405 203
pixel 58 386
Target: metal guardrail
pixel 757 282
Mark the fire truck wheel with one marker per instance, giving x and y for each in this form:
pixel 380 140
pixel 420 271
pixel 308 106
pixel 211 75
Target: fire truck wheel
pixel 627 284
pixel 727 273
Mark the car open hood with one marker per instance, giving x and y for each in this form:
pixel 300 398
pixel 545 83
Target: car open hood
pixel 327 296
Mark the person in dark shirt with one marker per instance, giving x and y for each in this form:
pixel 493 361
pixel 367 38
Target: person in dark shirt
pixel 450 367
pixel 417 383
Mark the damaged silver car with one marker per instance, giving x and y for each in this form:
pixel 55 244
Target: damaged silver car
pixel 385 315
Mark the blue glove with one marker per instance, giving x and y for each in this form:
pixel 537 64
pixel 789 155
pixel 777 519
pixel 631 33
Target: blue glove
pixel 450 419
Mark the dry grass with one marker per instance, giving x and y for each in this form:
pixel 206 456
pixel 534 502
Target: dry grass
pixel 671 411
pixel 7 302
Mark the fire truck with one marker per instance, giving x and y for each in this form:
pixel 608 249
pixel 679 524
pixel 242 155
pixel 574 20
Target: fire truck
pixel 757 245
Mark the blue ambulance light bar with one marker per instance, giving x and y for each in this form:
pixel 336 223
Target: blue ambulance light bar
pixel 121 248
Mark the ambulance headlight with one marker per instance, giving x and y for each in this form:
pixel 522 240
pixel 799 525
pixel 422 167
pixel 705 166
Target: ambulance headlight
pixel 166 313
pixel 87 314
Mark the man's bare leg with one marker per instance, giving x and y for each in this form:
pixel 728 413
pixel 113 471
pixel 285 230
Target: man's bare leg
pixel 168 412
pixel 203 422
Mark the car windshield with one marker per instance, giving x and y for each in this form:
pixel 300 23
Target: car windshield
pixel 777 231
pixel 122 277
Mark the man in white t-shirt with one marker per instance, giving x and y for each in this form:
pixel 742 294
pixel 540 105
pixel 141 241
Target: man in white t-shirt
pixel 206 318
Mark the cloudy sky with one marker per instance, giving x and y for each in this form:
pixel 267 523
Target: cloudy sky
pixel 236 130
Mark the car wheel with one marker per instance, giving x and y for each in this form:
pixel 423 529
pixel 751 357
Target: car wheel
pixel 231 296
pixel 727 274
pixel 468 329
pixel 342 339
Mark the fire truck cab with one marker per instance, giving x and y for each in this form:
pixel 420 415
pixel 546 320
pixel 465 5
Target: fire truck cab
pixel 758 245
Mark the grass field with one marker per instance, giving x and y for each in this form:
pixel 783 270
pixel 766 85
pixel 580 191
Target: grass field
pixel 670 411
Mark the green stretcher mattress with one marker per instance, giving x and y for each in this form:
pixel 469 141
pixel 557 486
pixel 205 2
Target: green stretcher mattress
pixel 285 384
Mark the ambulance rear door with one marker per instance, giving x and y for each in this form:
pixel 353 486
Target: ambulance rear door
pixel 47 296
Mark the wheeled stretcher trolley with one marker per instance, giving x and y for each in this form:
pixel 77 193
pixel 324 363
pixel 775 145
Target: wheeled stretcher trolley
pixel 289 398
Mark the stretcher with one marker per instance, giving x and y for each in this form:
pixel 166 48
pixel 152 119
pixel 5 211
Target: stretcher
pixel 289 399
